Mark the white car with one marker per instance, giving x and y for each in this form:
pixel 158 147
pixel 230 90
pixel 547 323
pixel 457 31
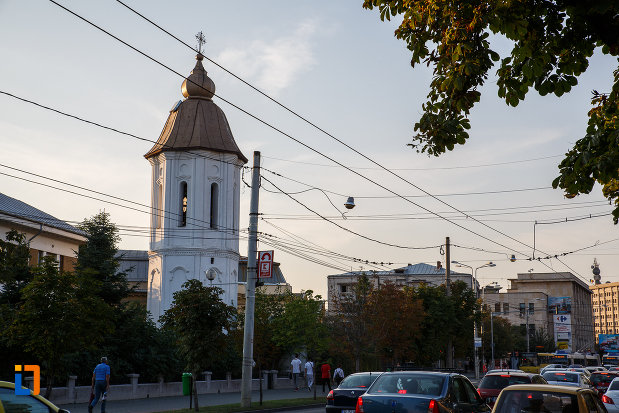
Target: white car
pixel 552 367
pixel 568 378
pixel 592 369
pixel 611 397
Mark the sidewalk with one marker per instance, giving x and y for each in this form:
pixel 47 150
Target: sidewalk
pixel 157 404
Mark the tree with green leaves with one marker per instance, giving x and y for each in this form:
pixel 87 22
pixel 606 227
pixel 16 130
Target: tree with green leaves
pixel 15 273
pixel 199 319
pixel 59 314
pixel 503 338
pixel 268 309
pixel 394 316
pixel 300 325
pixel 553 42
pixel 348 317
pixel 97 258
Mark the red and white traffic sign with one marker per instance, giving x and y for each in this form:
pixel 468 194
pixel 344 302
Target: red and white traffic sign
pixel 265 264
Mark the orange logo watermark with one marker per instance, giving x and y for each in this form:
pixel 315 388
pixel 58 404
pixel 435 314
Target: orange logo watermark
pixel 36 371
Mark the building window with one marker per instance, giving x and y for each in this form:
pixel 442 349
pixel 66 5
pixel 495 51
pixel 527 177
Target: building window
pixel 497 307
pixel 184 204
pixel 159 204
pixel 505 308
pixel 531 308
pixel 522 309
pixel 214 204
pixel 343 288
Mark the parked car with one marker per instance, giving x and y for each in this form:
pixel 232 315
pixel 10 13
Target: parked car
pixel 567 378
pixel 421 391
pixel 552 367
pixel 491 385
pixel 611 397
pixel 547 398
pixel 601 380
pixel 10 402
pixel 343 399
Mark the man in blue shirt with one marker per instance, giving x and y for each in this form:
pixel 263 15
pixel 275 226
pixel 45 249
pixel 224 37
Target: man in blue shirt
pixel 100 384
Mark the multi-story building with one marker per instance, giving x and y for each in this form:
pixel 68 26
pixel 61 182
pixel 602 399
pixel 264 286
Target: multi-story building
pixel 45 234
pixel 411 276
pixel 605 308
pixel 564 301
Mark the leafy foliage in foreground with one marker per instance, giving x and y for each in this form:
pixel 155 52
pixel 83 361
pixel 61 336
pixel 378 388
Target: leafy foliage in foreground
pixel 552 44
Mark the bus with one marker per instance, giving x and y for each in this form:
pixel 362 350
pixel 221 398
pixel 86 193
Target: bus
pixel 568 359
pixel 610 359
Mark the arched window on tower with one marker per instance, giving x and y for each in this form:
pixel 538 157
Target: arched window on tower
pixel 159 204
pixel 183 205
pixel 214 204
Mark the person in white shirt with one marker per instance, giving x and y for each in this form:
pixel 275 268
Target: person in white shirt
pixel 296 370
pixel 338 375
pixel 309 374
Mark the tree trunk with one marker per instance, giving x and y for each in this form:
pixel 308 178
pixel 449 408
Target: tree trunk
pixel 48 389
pixel 194 379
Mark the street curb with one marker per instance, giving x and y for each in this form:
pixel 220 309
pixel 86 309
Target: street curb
pixel 282 409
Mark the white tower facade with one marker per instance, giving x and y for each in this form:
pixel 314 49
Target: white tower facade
pixel 195 190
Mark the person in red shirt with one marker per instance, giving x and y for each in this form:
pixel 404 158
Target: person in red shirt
pixel 325 370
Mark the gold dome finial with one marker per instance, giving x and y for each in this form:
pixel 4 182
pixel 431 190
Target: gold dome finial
pixel 198 84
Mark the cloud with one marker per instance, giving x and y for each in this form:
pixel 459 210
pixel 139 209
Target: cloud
pixel 274 65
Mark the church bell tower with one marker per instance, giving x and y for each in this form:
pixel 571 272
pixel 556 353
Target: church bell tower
pixel 195 190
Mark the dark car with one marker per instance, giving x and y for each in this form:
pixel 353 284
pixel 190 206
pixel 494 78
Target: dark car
pixel 343 399
pixel 601 380
pixel 421 391
pixel 491 385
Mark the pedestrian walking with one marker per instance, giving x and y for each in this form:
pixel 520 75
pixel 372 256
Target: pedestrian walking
pixel 100 384
pixel 296 370
pixel 325 373
pixel 309 373
pixel 338 375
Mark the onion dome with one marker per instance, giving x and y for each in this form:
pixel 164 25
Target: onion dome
pixel 197 122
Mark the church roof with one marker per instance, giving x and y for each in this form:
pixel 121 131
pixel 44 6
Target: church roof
pixel 197 122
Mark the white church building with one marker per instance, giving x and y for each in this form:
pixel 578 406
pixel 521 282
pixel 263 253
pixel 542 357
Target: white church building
pixel 195 190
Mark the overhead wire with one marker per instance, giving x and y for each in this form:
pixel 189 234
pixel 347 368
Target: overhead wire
pixel 326 133
pixel 327 157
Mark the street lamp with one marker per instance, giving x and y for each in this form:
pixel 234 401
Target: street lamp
pixel 474 287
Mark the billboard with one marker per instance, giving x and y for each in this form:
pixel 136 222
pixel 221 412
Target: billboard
pixel 609 342
pixel 560 305
pixel 563 331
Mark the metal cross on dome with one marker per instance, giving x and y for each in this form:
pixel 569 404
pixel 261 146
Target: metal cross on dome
pixel 201 40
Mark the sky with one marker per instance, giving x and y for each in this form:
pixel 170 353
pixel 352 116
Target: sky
pixel 337 65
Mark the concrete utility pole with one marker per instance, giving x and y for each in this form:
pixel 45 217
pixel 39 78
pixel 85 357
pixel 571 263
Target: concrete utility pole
pixel 250 291
pixel 449 359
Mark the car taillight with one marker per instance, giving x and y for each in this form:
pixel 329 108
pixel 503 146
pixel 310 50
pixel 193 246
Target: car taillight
pixel 359 407
pixel 433 407
pixel 607 400
pixel 330 395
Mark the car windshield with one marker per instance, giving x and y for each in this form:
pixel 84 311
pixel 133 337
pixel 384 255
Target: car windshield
pixel 517 401
pixel 601 378
pixel 408 383
pixel 501 381
pixel 560 376
pixel 358 380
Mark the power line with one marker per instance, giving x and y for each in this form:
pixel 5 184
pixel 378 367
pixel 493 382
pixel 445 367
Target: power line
pixel 297 140
pixel 406 196
pixel 325 156
pixel 420 169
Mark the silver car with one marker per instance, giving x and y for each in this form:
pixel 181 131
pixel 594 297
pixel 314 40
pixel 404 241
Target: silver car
pixel 568 378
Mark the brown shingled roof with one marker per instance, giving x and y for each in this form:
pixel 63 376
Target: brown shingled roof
pixel 197 123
